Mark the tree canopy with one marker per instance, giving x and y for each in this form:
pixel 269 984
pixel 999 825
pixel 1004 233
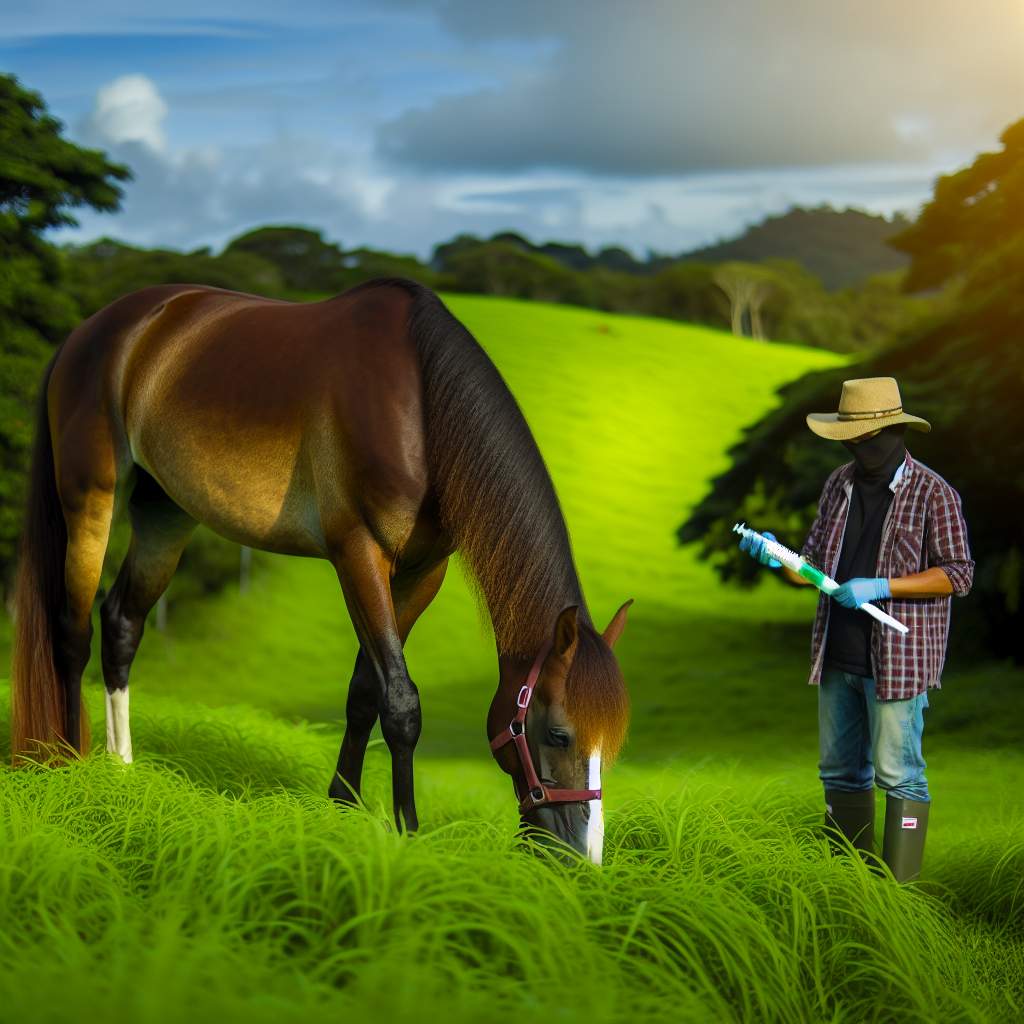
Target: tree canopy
pixel 303 258
pixel 975 218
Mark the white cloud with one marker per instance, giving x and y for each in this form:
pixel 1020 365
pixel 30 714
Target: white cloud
pixel 186 196
pixel 130 109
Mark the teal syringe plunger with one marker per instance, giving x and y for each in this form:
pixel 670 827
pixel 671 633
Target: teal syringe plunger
pixel 791 560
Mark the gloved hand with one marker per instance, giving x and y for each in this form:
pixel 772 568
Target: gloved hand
pixel 754 546
pixel 853 593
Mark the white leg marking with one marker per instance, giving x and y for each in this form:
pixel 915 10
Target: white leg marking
pixel 111 742
pixel 122 733
pixel 595 826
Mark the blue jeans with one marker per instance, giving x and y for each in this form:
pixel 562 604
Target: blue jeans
pixel 865 740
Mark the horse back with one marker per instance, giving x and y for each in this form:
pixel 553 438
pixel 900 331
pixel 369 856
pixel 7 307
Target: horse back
pixel 281 425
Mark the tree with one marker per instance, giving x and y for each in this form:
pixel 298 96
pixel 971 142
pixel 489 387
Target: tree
pixel 687 291
pixel 305 261
pixel 975 215
pixel 747 288
pixel 43 177
pixel 364 263
pixel 503 268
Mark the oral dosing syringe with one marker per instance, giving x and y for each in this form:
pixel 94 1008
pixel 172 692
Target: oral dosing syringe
pixel 827 585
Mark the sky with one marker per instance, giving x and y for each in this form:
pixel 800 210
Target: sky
pixel 398 124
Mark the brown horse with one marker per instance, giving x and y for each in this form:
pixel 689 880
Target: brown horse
pixel 369 429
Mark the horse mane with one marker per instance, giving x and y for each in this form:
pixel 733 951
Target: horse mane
pixel 499 505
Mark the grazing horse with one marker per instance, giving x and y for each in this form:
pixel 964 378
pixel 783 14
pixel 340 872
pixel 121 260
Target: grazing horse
pixel 370 429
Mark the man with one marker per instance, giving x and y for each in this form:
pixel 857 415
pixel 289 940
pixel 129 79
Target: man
pixel 890 530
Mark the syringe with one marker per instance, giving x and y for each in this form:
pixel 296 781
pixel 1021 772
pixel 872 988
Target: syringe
pixel 827 585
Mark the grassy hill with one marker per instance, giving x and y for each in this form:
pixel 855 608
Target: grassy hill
pixel 212 878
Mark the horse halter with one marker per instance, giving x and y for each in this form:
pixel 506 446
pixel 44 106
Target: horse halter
pixel 537 794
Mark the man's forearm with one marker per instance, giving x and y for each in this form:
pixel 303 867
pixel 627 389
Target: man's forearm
pixel 930 583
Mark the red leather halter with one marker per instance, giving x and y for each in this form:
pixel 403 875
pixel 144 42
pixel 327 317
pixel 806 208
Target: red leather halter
pixel 537 794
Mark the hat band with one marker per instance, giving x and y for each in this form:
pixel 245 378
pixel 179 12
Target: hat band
pixel 869 415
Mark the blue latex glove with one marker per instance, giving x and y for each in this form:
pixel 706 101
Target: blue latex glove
pixel 853 593
pixel 754 547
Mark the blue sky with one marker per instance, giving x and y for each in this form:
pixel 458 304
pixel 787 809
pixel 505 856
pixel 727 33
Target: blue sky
pixel 398 124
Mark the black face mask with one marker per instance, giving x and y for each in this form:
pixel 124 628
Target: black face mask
pixel 879 454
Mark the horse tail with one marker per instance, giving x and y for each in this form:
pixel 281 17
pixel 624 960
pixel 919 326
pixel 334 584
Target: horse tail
pixel 38 699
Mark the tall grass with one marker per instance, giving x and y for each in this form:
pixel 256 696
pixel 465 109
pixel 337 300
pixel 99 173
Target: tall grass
pixel 210 880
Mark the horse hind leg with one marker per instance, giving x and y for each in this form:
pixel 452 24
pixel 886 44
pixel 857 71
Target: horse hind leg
pixel 160 531
pixel 88 510
pixel 360 716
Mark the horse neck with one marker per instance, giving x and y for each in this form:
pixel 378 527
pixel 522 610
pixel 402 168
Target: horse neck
pixel 530 574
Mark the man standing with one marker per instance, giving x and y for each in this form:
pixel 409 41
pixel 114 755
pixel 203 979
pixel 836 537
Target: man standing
pixel 893 530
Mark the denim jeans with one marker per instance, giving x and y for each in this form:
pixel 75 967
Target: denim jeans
pixel 866 741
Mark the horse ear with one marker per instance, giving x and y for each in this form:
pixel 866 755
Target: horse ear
pixel 563 650
pixel 617 625
pixel 566 632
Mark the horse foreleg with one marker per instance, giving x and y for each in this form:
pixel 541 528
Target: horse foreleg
pixel 360 716
pixel 410 595
pixel 364 572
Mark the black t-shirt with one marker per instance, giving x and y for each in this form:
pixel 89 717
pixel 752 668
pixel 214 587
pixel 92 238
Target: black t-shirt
pixel 848 643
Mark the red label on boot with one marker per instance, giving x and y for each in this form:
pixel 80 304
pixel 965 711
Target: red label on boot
pixel 910 822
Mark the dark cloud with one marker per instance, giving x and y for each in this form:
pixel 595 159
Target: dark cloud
pixel 664 87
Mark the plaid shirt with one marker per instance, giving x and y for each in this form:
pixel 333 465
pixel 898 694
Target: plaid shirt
pixel 923 527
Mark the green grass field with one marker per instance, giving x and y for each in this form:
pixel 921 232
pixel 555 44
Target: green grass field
pixel 213 879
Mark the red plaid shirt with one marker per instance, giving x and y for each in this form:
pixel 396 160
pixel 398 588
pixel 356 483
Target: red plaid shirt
pixel 923 527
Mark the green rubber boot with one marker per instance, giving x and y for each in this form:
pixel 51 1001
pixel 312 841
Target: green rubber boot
pixel 852 815
pixel 906 824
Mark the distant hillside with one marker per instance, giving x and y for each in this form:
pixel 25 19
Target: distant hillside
pixel 841 248
pixel 569 254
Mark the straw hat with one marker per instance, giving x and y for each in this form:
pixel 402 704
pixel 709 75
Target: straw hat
pixel 866 404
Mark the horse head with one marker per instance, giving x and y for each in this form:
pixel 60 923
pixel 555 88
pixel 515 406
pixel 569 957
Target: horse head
pixel 554 730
